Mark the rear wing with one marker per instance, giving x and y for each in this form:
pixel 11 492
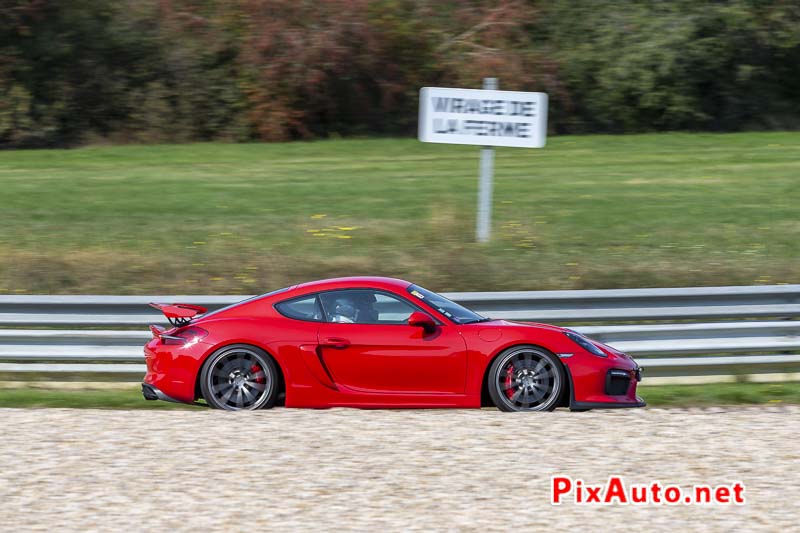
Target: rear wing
pixel 179 314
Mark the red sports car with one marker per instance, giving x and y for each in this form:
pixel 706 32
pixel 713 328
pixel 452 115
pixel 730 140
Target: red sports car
pixel 377 343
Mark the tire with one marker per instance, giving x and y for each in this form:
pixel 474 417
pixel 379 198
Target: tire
pixel 239 377
pixel 526 378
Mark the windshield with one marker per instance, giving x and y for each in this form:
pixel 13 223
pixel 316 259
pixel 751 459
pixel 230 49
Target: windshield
pixel 453 311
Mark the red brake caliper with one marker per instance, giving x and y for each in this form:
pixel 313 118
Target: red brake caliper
pixel 508 380
pixel 255 369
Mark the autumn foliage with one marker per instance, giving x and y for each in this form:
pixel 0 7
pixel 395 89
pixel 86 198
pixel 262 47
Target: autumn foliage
pixel 187 70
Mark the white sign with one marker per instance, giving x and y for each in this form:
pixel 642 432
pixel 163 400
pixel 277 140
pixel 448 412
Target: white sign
pixel 486 118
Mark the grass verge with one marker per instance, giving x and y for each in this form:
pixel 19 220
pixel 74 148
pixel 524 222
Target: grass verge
pixel 720 394
pixel 656 396
pixel 84 399
pixel 586 212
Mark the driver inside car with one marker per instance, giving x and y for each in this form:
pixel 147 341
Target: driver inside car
pixel 357 308
pixel 344 311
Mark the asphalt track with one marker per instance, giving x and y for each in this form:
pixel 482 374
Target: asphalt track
pixel 301 470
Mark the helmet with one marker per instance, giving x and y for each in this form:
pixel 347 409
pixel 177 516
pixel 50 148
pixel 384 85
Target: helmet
pixel 344 310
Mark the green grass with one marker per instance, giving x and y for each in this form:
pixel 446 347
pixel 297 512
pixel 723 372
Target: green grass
pixel 656 396
pixel 585 212
pixel 720 394
pixel 84 399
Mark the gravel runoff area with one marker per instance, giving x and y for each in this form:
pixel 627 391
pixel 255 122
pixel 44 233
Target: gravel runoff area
pixel 63 469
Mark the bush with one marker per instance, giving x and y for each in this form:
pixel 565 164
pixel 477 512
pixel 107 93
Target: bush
pixel 188 70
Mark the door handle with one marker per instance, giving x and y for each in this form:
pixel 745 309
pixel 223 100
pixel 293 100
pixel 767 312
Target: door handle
pixel 336 342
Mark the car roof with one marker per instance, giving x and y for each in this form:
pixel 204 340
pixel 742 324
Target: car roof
pixel 371 282
pixel 310 287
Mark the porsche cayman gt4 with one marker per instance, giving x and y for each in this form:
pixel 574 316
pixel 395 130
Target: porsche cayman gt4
pixel 374 342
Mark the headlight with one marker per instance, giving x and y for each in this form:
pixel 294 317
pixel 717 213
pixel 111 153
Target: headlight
pixel 585 343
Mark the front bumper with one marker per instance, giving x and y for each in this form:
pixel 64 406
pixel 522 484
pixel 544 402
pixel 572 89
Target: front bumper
pixel 604 383
pixel 579 406
pixel 618 381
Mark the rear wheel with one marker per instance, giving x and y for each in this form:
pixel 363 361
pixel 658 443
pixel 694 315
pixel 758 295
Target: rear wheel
pixel 239 377
pixel 525 378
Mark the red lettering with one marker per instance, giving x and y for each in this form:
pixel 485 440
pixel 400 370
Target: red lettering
pixel 702 494
pixel 639 494
pixel 654 488
pixel 593 494
pixel 738 493
pixel 616 489
pixel 559 485
pixel 672 494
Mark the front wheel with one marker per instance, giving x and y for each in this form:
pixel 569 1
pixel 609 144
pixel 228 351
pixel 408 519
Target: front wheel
pixel 239 377
pixel 525 378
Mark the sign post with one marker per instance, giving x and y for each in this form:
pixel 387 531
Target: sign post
pixel 483 226
pixel 485 118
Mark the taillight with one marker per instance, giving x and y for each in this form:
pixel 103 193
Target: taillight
pixel 185 336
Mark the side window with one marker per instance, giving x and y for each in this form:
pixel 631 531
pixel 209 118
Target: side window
pixel 364 306
pixel 303 308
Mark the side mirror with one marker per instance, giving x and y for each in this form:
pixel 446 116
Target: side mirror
pixel 422 320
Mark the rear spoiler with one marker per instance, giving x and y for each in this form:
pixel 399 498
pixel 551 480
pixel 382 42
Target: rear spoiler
pixel 179 314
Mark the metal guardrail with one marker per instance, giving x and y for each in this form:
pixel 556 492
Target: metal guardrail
pixel 58 334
